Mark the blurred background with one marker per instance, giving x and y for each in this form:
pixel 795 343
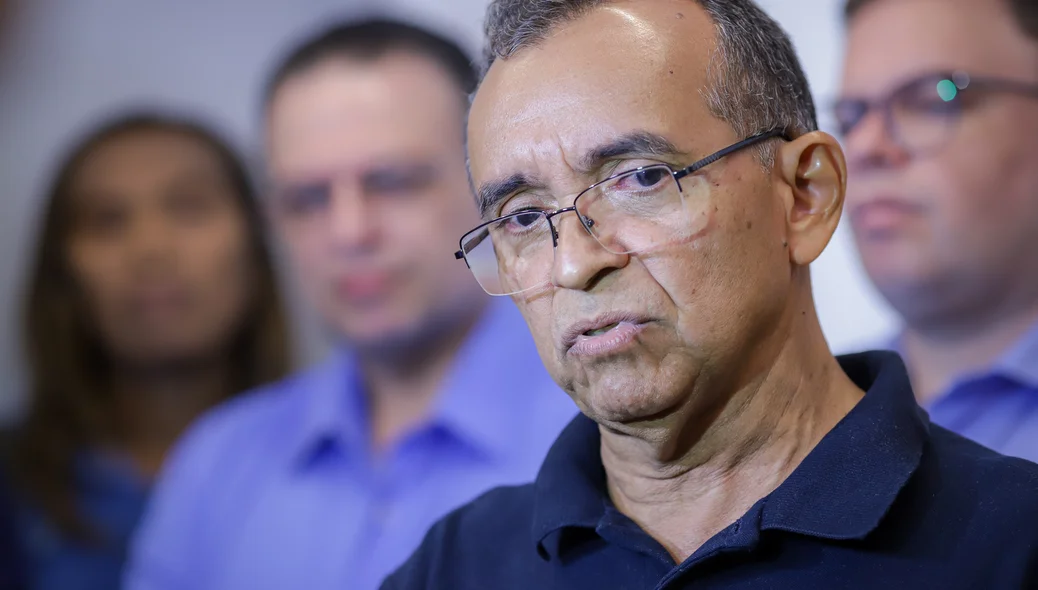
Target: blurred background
pixel 65 64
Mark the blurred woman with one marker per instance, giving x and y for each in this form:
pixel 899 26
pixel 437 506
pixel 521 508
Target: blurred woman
pixel 152 297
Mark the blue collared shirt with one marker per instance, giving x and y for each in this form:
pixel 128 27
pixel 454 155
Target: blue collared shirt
pixel 997 407
pixel 885 500
pixel 280 488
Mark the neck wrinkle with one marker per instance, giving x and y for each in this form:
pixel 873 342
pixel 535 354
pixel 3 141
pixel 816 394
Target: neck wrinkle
pixel 684 494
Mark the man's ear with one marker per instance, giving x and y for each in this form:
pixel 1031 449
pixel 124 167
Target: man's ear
pixel 813 174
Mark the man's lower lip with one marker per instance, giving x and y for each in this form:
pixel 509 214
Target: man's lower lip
pixel 882 219
pixel 363 289
pixel 606 343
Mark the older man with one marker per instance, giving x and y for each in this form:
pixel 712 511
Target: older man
pixel 939 111
pixel 655 190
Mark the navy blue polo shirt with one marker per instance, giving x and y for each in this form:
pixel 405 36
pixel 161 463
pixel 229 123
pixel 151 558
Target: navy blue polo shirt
pixel 886 499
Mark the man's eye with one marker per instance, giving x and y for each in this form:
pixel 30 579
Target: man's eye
pixel 648 178
pixel 848 113
pixel 302 199
pixel 926 98
pixel 522 221
pixel 927 105
pixel 398 181
pixel 528 219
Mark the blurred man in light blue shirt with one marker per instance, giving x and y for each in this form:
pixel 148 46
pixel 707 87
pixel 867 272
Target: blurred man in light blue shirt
pixel 330 478
pixel 939 113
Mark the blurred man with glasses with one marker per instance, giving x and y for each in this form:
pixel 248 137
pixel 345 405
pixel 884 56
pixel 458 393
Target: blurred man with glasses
pixel 435 392
pixel 654 189
pixel 939 116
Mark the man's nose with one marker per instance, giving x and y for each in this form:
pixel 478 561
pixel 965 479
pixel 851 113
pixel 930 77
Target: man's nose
pixel 352 217
pixel 580 261
pixel 871 144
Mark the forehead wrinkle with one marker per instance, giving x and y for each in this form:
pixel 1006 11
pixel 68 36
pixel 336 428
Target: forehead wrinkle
pixel 533 89
pixel 534 171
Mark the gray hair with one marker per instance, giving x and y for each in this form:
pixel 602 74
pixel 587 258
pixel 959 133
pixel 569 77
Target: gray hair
pixel 756 83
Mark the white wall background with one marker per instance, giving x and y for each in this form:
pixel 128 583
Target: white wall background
pixel 64 62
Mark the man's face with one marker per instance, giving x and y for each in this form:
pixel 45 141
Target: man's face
pixel 688 309
pixel 371 195
pixel 945 230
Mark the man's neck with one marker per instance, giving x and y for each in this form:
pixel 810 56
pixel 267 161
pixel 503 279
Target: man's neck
pixel 938 355
pixel 403 388
pixel 742 452
pixel 155 405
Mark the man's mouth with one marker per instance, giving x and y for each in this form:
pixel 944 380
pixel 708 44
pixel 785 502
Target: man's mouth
pixel 365 286
pixel 884 217
pixel 606 340
pixel 602 330
pixel 603 334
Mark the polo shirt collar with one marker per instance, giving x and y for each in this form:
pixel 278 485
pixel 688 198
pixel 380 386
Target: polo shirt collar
pixel 845 486
pixel 570 489
pixel 841 490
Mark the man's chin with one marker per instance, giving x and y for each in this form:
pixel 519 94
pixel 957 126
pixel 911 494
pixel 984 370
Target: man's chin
pixel 395 337
pixel 389 339
pixel 627 405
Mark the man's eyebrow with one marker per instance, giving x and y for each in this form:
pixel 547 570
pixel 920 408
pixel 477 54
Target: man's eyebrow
pixel 491 193
pixel 636 143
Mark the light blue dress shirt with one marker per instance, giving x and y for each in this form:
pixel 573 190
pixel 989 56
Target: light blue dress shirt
pixel 997 407
pixel 280 490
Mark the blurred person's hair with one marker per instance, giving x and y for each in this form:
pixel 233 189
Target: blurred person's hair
pixel 369 40
pixel 69 402
pixel 1025 12
pixel 755 82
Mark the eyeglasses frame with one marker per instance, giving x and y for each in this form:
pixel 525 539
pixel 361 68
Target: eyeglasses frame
pixel 963 82
pixel 677 175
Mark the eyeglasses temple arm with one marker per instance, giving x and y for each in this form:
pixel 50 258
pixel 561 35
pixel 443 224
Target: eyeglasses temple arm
pixel 730 150
pixel 1012 86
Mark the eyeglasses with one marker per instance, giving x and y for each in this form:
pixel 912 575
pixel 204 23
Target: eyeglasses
pixel 921 114
pixel 634 212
